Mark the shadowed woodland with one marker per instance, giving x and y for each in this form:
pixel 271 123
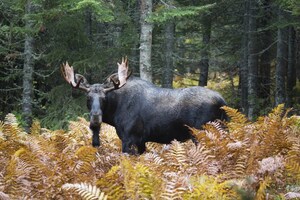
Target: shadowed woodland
pixel 246 49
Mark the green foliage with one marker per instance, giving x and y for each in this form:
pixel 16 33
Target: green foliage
pixel 164 14
pixel 100 9
pixel 293 5
pixel 244 161
pixel 62 108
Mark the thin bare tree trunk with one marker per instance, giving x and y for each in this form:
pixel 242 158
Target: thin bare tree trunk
pixel 145 40
pixel 204 63
pixel 169 45
pixel 28 71
pixel 280 66
pixel 291 74
pixel 252 61
pixel 244 65
pixel 134 61
pixel 265 58
pixel 298 56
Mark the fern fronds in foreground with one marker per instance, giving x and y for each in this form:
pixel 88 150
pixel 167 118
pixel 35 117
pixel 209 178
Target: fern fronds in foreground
pixel 85 190
pixel 245 160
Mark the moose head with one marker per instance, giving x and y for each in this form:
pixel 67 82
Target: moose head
pixel 96 93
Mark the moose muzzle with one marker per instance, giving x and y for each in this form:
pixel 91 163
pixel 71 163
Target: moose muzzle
pixel 95 119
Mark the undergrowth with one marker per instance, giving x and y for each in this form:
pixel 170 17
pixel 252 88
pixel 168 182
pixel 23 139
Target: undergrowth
pixel 245 160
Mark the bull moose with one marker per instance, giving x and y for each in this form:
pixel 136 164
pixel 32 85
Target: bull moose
pixel 142 112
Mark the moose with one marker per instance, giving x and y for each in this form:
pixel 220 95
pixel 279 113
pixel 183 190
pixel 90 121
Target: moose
pixel 142 112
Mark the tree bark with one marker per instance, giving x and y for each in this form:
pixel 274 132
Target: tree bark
pixel 280 66
pixel 291 74
pixel 204 63
pixel 252 61
pixel 88 23
pixel 145 40
pixel 28 71
pixel 265 58
pixel 244 65
pixel 134 61
pixel 298 55
pixel 169 45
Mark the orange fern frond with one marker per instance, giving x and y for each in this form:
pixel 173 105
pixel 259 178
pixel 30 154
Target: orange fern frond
pixel 85 157
pixel 200 155
pixel 35 128
pixel 235 116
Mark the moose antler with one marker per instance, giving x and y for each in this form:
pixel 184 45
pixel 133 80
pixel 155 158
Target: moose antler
pixel 119 79
pixel 68 74
pixel 123 71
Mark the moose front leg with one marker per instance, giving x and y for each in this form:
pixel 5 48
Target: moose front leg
pixel 133 147
pixel 95 129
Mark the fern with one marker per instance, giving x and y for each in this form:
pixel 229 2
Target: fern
pixel 11 120
pixel 293 167
pixel 85 157
pixel 292 195
pixel 4 196
pixel 154 147
pixel 35 128
pixel 175 187
pixel 200 157
pixel 261 192
pixel 266 150
pixel 1 130
pixel 177 154
pixel 112 183
pixel 235 116
pixel 155 158
pixel 149 183
pixel 86 191
pixel 210 188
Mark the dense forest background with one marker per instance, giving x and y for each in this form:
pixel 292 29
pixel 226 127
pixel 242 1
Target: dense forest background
pixel 248 50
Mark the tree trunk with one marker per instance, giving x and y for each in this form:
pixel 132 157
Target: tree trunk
pixel 145 40
pixel 134 61
pixel 204 63
pixel 169 45
pixel 265 58
pixel 298 55
pixel 244 65
pixel 88 23
pixel 28 71
pixel 291 74
pixel 252 61
pixel 280 66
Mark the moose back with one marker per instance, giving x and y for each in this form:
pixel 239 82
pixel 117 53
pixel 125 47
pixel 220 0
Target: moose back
pixel 142 112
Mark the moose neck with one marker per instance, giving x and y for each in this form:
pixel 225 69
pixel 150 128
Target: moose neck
pixel 109 108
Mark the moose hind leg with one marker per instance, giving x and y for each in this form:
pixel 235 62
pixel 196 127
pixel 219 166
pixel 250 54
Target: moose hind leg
pixel 129 147
pixel 95 140
pixel 141 147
